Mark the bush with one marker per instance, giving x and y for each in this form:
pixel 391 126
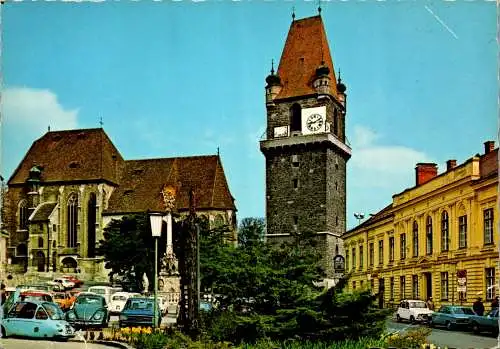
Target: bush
pixel 411 339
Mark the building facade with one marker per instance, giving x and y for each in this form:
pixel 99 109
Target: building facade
pixel 437 239
pixel 71 184
pixel 305 143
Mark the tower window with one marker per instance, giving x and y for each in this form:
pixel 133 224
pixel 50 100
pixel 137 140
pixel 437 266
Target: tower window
pixel 40 242
pixel 295 220
pixel 295 122
pixel 336 186
pixel 295 183
pixel 295 160
pixel 335 123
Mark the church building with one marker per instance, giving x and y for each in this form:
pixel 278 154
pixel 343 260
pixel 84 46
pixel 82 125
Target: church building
pixel 305 144
pixel 71 184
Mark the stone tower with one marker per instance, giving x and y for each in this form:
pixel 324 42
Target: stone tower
pixel 305 144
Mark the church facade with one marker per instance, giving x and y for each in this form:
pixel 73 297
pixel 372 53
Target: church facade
pixel 305 143
pixel 71 184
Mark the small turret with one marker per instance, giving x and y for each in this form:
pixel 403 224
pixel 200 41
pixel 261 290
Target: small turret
pixel 273 86
pixel 341 88
pixel 321 81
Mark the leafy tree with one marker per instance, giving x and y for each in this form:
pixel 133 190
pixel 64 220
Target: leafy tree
pixel 251 230
pixel 128 248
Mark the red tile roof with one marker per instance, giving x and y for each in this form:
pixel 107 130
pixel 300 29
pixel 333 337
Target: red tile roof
pixel 85 154
pixel 143 181
pixel 305 48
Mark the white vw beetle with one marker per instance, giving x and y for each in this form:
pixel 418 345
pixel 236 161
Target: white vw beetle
pixel 413 311
pixel 118 301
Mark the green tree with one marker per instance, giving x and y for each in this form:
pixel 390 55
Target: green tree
pixel 251 230
pixel 128 248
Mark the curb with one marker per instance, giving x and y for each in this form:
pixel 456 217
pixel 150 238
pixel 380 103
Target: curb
pixel 112 344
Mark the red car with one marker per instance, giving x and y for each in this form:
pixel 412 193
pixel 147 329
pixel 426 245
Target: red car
pixel 36 295
pixel 74 280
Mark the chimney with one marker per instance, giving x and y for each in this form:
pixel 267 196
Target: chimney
pixel 489 146
pixel 425 172
pixel 450 164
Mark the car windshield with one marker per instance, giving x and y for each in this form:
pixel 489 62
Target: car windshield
pixel 466 311
pixel 58 296
pixel 119 298
pixel 98 290
pixel 55 313
pixel 139 304
pixel 89 299
pixel 418 305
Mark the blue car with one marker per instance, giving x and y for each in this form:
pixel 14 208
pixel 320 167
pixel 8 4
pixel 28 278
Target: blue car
pixel 88 311
pixel 36 319
pixel 139 311
pixel 451 316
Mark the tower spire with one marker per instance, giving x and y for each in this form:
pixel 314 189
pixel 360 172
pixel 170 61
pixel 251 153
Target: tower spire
pixel 293 14
pixel 319 7
pixel 272 66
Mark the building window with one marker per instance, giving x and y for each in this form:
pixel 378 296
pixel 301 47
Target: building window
pixel 488 226
pixel 54 228
pixel 391 249
pixel 295 183
pixel 23 215
pixel 490 283
pixel 361 257
pixel 415 293
pixel 295 160
pixel 354 285
pixel 361 283
pixel 462 232
pixel 415 239
pixel 444 286
pixel 72 220
pixel 372 285
pixel 391 288
pixel 40 242
pixel 428 235
pixel 353 258
pixel 402 287
pixel 381 252
pixel 336 249
pixel 372 254
pixel 295 117
pixel 347 259
pixel 445 238
pixel 335 122
pixel 402 251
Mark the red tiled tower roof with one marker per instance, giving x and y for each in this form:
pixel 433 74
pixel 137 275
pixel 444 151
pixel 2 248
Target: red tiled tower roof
pixel 305 49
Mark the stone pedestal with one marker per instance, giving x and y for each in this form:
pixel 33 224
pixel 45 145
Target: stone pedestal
pixel 170 284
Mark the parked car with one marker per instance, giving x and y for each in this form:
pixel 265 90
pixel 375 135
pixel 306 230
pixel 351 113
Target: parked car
pixel 486 323
pixel 44 288
pixel 36 296
pixel 451 317
pixel 64 300
pixel 138 311
pixel 105 291
pixel 89 310
pixel 36 319
pixel 63 284
pixel 413 311
pixel 73 279
pixel 118 301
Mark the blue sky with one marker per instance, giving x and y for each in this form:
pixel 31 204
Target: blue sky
pixel 183 78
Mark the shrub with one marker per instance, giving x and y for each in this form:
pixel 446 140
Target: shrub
pixel 411 339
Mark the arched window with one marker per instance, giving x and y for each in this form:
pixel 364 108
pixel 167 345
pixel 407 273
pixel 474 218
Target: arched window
pixel 40 242
pixel 295 118
pixel 415 239
pixel 72 221
pixel 40 261
pixel 23 214
pixel 21 250
pixel 445 232
pixel 91 221
pixel 69 265
pixel 218 221
pixel 428 235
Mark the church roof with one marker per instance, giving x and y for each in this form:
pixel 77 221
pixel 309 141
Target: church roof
pixel 143 180
pixel 74 155
pixel 305 48
pixel 43 211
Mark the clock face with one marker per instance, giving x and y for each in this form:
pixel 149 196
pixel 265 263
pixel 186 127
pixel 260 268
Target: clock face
pixel 314 122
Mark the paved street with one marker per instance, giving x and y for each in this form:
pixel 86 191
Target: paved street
pixel 15 343
pixel 451 339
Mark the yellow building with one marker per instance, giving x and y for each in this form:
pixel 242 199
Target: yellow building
pixel 438 238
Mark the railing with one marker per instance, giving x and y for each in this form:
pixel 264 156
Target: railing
pixel 171 297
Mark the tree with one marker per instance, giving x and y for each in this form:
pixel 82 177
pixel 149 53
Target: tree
pixel 128 248
pixel 251 230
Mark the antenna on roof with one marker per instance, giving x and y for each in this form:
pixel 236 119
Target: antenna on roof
pixel 48 128
pixel 100 121
pixel 293 13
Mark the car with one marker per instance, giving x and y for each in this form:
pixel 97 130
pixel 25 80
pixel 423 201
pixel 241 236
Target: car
pixel 118 301
pixel 64 299
pixel 486 323
pixel 413 310
pixel 105 291
pixel 451 316
pixel 36 295
pixel 62 283
pixel 138 311
pixel 36 319
pixel 73 279
pixel 88 311
pixel 44 288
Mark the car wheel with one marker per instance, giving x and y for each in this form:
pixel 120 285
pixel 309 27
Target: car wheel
pixel 412 319
pixel 449 325
pixel 4 333
pixel 475 328
pixel 398 318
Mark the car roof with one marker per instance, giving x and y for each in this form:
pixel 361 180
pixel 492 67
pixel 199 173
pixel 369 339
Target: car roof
pixel 34 293
pixel 90 294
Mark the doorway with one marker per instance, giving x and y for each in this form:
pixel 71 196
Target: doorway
pixel 381 291
pixel 428 285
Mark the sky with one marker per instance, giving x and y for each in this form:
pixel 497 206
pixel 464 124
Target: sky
pixel 181 78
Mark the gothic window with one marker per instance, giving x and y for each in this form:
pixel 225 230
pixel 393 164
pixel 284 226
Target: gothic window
pixel 218 221
pixel 23 214
pixel 295 118
pixel 91 223
pixel 40 242
pixel 428 235
pixel 444 231
pixel 72 220
pixel 415 239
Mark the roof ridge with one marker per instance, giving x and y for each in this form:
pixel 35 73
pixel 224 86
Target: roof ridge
pixel 172 158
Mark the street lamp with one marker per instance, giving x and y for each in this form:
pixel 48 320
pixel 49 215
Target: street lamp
pixel 156 220
pixel 359 217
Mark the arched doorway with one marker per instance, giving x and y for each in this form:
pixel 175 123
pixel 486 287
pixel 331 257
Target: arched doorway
pixel 69 265
pixel 91 220
pixel 40 261
pixel 54 261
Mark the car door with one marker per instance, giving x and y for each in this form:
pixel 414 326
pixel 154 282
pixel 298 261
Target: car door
pixel 437 317
pixel 41 324
pixel 20 320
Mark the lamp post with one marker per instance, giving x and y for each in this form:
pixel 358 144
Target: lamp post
pixel 156 220
pixel 359 217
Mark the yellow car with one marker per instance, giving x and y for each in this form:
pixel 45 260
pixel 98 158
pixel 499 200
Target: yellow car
pixel 64 300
